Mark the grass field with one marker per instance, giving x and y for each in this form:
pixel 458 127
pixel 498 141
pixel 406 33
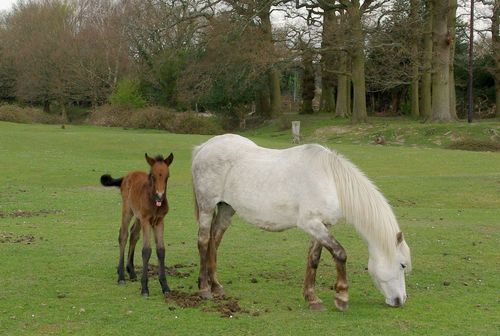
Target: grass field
pixel 59 250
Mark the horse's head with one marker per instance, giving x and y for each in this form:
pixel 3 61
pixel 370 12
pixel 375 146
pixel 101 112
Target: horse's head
pixel 389 273
pixel 159 176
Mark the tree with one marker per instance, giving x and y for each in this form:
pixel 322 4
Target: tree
pixel 442 42
pixel 426 92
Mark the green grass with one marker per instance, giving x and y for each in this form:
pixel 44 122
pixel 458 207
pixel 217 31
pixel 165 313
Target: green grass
pixel 64 281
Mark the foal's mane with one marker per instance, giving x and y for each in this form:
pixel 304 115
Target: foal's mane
pixel 362 203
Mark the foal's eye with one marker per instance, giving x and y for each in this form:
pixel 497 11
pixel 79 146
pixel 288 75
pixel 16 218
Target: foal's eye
pixel 403 266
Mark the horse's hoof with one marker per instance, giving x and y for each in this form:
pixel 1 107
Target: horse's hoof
pixel 121 282
pixel 145 295
pixel 317 306
pixel 133 279
pixel 205 295
pixel 166 294
pixel 341 305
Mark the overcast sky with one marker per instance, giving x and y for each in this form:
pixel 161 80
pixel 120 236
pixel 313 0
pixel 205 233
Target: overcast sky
pixel 6 4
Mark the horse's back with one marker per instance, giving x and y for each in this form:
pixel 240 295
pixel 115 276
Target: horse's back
pixel 267 187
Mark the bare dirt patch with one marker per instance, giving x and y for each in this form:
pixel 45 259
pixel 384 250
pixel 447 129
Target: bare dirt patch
pixel 224 305
pixel 22 213
pixel 476 145
pixel 174 270
pixel 9 237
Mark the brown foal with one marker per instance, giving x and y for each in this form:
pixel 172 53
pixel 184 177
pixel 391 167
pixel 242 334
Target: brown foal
pixel 145 198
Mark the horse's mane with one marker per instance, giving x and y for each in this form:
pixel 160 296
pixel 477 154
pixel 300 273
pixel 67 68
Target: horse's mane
pixel 362 203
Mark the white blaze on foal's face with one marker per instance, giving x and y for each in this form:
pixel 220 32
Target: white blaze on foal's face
pixel 389 274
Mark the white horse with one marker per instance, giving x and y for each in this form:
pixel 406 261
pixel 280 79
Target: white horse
pixel 309 187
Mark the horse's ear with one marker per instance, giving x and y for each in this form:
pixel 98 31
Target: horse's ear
pixel 169 159
pixel 399 238
pixel 149 160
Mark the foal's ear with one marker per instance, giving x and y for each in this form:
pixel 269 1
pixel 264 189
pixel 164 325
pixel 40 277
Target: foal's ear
pixel 169 160
pixel 150 160
pixel 399 238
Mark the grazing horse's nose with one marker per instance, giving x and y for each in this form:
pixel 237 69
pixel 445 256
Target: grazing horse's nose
pixel 397 302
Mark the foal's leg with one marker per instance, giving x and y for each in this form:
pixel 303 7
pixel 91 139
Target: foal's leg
pixel 204 224
pixel 313 258
pixel 219 226
pixel 135 233
pixel 146 254
pixel 122 240
pixel 160 253
pixel 319 232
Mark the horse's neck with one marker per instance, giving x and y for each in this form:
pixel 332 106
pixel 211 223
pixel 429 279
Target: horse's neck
pixel 364 206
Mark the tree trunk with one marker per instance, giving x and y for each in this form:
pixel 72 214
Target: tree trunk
pixel 308 85
pixel 274 76
pixel 452 19
pixel 358 65
pixel 415 72
pixel 496 53
pixel 441 62
pixel 426 93
pixel 275 92
pixel 46 106
pixel 263 103
pixel 327 103
pixel 341 109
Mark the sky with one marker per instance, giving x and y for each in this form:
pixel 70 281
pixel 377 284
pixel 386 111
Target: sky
pixel 6 4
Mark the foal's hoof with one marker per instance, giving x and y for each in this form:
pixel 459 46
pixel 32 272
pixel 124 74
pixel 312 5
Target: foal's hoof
pixel 205 294
pixel 166 294
pixel 121 282
pixel 218 291
pixel 145 293
pixel 341 305
pixel 317 306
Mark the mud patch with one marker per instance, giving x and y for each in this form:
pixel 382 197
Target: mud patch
pixel 225 306
pixel 184 300
pixel 22 213
pixel 9 237
pixel 173 271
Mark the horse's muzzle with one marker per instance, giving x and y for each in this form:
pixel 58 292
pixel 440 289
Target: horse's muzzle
pixel 396 302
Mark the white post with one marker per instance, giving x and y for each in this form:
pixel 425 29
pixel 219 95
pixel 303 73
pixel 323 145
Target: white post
pixel 296 131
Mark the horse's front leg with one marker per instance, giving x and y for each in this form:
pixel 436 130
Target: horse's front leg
pixel 146 254
pixel 160 253
pixel 319 232
pixel 313 258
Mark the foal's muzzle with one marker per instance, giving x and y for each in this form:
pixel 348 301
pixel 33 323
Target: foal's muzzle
pixel 159 198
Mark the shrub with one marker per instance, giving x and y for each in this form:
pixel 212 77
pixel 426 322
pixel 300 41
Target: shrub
pixel 155 117
pixel 26 115
pixel 127 95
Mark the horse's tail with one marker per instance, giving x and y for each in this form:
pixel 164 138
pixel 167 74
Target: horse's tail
pixel 108 181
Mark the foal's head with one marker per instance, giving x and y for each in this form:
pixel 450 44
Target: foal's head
pixel 158 176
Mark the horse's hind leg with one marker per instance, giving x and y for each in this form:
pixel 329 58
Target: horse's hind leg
pixel 219 226
pixel 318 231
pixel 204 225
pixel 135 233
pixel 313 258
pixel 122 240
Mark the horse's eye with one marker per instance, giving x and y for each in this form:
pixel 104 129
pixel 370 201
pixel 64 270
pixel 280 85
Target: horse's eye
pixel 403 266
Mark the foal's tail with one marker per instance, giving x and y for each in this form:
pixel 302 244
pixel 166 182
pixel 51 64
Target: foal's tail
pixel 108 181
